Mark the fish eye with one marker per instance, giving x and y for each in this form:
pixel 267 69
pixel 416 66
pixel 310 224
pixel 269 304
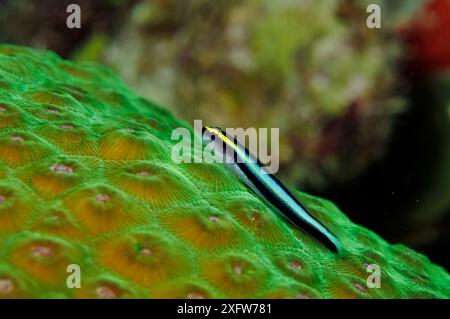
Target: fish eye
pixel 207 135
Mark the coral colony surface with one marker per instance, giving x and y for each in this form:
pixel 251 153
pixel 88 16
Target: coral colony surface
pixel 86 178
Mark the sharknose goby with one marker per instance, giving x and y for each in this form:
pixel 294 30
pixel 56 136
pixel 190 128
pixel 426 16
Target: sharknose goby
pixel 252 173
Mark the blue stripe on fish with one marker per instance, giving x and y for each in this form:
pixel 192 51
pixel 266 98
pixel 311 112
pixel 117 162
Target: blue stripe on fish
pixel 270 189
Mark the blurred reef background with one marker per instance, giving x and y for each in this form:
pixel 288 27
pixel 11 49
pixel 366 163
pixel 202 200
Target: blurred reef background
pixel 364 114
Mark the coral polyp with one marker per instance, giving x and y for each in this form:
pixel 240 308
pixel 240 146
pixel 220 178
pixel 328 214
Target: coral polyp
pixel 86 179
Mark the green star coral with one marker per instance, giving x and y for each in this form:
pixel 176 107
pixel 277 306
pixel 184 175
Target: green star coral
pixel 86 178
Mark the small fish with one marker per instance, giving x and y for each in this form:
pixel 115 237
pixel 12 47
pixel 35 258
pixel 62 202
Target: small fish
pixel 268 187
